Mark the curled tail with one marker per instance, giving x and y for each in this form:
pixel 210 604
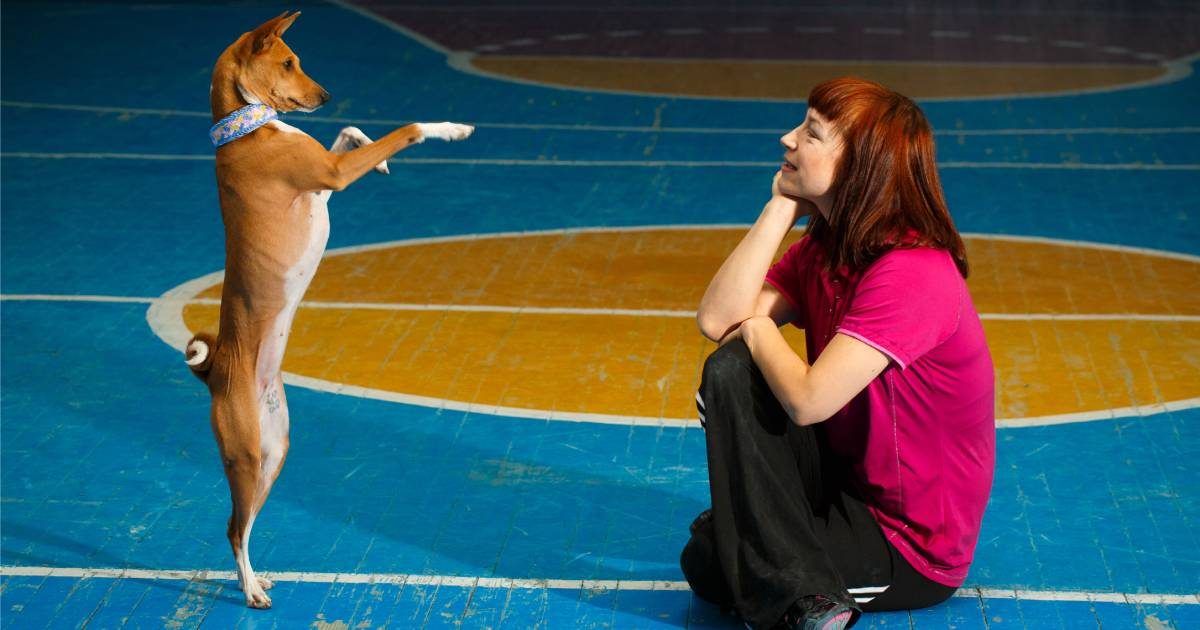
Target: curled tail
pixel 199 354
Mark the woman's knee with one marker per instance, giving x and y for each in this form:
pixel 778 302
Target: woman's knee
pixel 731 361
pixel 729 387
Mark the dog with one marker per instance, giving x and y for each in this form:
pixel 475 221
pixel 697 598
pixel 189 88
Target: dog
pixel 274 182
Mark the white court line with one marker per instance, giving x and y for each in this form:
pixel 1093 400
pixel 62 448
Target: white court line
pixel 42 297
pixel 563 310
pixel 549 583
pixel 1070 166
pixel 165 313
pixel 165 317
pixel 108 156
pixel 1073 166
pixel 1064 131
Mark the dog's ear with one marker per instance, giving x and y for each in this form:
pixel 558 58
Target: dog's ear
pixel 265 35
pixel 285 23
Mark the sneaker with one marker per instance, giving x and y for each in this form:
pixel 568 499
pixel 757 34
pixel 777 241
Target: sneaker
pixel 819 612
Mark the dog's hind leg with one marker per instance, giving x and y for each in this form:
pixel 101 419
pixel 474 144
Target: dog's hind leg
pixel 273 443
pixel 235 421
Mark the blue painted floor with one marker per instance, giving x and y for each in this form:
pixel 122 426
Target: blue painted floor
pixel 107 462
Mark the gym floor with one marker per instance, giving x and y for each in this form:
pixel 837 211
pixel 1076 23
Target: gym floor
pixel 491 377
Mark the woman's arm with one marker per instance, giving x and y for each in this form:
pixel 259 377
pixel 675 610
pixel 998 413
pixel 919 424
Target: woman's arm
pixel 811 394
pixel 737 292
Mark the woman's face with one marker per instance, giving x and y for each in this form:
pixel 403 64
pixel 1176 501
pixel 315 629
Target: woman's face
pixel 812 152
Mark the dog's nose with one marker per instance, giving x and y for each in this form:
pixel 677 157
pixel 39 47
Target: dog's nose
pixel 324 97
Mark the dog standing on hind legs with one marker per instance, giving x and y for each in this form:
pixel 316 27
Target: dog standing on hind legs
pixel 273 181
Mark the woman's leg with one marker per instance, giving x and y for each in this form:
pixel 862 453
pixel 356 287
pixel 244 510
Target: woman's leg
pixel 876 575
pixel 700 565
pixel 763 473
pixel 907 590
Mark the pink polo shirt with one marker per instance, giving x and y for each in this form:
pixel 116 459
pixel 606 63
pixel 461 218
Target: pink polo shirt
pixel 921 437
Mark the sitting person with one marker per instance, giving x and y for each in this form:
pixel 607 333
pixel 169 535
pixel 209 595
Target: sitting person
pixel 856 480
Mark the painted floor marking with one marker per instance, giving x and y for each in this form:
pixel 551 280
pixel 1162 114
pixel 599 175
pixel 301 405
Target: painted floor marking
pixel 1070 166
pixel 526 583
pixel 461 60
pixel 1064 131
pixel 764 30
pixel 561 310
pixel 165 317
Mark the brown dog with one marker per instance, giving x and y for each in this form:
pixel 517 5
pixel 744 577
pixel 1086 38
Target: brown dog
pixel 274 182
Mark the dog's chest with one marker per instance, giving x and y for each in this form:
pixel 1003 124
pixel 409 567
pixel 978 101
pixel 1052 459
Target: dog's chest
pixel 309 208
pixel 312 209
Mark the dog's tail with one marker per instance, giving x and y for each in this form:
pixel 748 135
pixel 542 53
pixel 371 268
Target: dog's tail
pixel 199 354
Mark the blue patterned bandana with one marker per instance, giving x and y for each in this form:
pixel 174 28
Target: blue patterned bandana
pixel 240 123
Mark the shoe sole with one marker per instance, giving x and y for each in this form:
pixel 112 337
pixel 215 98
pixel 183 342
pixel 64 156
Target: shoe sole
pixel 836 622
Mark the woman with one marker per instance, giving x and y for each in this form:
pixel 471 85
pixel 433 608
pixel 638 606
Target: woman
pixel 856 483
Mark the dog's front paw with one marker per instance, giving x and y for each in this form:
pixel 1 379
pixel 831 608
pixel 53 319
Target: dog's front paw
pixel 445 130
pixel 351 138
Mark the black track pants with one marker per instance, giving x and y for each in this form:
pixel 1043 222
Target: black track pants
pixel 782 524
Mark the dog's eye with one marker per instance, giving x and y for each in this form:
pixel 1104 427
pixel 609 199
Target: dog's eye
pixel 287 65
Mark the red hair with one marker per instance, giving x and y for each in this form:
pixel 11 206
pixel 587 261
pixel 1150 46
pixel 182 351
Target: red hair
pixel 887 192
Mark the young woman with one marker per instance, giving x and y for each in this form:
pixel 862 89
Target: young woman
pixel 857 482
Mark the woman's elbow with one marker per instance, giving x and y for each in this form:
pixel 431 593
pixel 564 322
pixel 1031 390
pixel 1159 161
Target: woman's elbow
pixel 709 327
pixel 804 413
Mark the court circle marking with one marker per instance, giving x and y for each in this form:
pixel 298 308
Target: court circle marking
pixel 165 317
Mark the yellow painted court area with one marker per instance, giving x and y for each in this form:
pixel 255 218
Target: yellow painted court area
pixel 571 360
pixel 792 80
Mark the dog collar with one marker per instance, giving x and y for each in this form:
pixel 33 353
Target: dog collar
pixel 240 123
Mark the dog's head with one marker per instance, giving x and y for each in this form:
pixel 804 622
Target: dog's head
pixel 270 72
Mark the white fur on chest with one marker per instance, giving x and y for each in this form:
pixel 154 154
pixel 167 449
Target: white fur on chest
pixel 295 282
pixel 284 127
pixel 296 278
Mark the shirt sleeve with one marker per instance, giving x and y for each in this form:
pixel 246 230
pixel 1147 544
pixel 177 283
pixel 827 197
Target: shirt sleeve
pixel 907 303
pixel 788 276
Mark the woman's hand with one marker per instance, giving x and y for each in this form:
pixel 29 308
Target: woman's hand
pixel 749 329
pixel 799 207
pixel 775 186
pixel 755 325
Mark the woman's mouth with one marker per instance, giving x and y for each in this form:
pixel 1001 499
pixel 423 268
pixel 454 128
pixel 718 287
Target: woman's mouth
pixel 787 166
